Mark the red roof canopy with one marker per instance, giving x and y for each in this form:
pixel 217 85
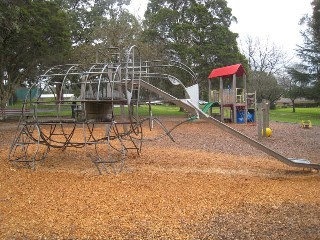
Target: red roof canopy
pixel 227 71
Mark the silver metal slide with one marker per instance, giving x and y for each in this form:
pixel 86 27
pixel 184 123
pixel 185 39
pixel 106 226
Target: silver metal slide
pixel 190 107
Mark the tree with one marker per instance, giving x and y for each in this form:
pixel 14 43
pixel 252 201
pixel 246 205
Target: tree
pixel 88 14
pixel 195 33
pixel 309 51
pixel 267 64
pixel 32 34
pixel 266 87
pixel 122 31
pixel 296 83
pixel 99 25
pixel 264 56
pixel 292 90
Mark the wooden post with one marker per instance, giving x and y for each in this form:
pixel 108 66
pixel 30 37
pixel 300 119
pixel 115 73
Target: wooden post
pixel 260 119
pixel 264 124
pixel 209 96
pixel 221 100
pixel 234 97
pixel 267 111
pixel 209 91
pixel 245 97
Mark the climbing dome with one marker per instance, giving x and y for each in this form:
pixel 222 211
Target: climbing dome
pixel 96 107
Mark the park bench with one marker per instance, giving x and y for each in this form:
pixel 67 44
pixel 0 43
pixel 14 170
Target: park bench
pixel 12 112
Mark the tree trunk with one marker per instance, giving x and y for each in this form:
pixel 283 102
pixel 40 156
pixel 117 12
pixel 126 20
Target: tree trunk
pixel 293 106
pixel 5 96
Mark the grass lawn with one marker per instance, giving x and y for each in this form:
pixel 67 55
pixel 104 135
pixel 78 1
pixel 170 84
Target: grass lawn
pixel 157 110
pixel 160 110
pixel 286 115
pixel 280 115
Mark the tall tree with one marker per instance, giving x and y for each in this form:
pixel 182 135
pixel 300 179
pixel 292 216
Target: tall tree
pixel 267 63
pixel 98 25
pixel 266 87
pixel 122 31
pixel 194 32
pixel 309 51
pixel 294 84
pixel 32 34
pixel 264 56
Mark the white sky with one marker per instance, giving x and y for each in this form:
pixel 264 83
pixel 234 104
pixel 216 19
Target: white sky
pixel 275 20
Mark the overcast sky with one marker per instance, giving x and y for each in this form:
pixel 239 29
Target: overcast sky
pixel 276 20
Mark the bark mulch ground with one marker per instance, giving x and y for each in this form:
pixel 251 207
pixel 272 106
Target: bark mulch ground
pixel 205 185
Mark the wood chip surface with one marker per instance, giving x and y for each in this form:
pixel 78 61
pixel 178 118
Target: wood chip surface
pixel 205 185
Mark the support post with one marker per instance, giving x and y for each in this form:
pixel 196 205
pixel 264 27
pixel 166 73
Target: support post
pixel 245 98
pixel 260 119
pixel 221 100
pixel 209 90
pixel 267 111
pixel 263 118
pixel 234 97
pixel 264 124
pixel 209 96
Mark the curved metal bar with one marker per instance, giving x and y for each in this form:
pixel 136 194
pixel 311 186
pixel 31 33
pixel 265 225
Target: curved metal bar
pixel 25 138
pixel 105 84
pixel 167 132
pixel 100 78
pixel 50 141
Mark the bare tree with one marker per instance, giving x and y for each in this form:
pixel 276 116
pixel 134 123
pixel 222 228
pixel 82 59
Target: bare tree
pixel 266 86
pixel 267 63
pixel 264 56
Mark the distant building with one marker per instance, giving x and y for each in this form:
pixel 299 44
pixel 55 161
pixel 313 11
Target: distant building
pixel 286 102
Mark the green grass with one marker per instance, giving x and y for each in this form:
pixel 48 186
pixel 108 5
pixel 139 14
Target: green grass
pixel 286 115
pixel 279 115
pixel 158 110
pixel 161 110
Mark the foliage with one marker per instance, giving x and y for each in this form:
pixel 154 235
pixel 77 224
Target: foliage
pixel 193 32
pixel 266 87
pixel 293 93
pixel 295 84
pixel 32 34
pixel 98 26
pixel 309 52
pixel 87 14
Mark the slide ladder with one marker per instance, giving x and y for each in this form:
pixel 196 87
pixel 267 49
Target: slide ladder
pixel 190 107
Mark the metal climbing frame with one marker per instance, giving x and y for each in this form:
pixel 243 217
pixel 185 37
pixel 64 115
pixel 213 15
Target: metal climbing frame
pixel 95 107
pixel 105 118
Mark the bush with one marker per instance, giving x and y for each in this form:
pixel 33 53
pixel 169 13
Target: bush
pixel 307 105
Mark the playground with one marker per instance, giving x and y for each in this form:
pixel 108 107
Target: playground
pixel 206 185
pixel 106 172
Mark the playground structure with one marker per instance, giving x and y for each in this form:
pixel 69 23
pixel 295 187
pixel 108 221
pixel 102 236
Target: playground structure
pixel 236 105
pixel 105 111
